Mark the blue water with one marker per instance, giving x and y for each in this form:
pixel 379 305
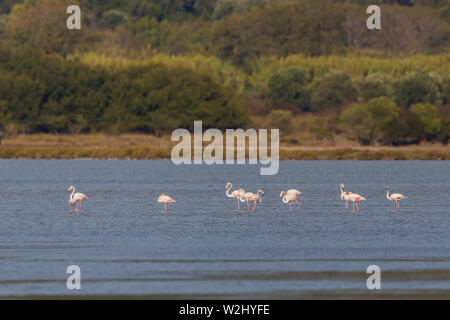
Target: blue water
pixel 203 247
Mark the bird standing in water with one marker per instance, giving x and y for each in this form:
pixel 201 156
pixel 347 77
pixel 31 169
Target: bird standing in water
pixel 76 199
pixel 165 199
pixel 395 197
pixel 238 193
pixel 290 197
pixel 344 195
pixel 252 197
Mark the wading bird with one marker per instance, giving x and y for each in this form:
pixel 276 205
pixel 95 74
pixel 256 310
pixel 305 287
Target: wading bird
pixel 164 198
pixel 76 199
pixel 354 197
pixel 344 195
pixel 252 197
pixel 238 193
pixel 294 191
pixel 395 197
pixel 290 197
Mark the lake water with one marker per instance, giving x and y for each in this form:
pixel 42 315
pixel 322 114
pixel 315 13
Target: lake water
pixel 204 248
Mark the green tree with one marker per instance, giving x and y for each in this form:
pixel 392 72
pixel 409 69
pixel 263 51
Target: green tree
pixel 375 85
pixel 415 88
pixel 429 117
pixel 446 90
pixel 280 119
pixel 332 91
pixel 290 86
pixel 371 122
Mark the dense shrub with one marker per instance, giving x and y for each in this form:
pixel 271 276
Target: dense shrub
pixel 280 119
pixel 444 115
pixel 429 118
pixel 332 91
pixel 43 94
pixel 290 86
pixel 309 27
pixel 415 88
pixel 375 85
pixel 371 122
pixel 446 90
pixel 406 129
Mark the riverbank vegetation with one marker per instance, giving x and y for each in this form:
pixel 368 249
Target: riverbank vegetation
pixel 141 146
pixel 309 68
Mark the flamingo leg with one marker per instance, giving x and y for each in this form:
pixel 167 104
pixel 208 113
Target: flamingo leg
pixel 299 204
pixel 353 206
pixel 290 206
pixel 248 207
pixel 357 207
pixel 254 206
pixel 239 204
pixel 346 204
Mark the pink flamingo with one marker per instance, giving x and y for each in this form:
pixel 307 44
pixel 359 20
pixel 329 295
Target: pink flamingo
pixel 76 199
pixel 290 197
pixel 165 199
pixel 344 195
pixel 395 196
pixel 353 197
pixel 252 197
pixel 235 194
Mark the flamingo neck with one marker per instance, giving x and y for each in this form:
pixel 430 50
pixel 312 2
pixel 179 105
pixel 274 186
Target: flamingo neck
pixel 71 195
pixel 284 199
pixel 228 190
pixel 387 194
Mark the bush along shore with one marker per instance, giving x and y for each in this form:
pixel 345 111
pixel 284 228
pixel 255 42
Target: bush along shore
pixel 149 152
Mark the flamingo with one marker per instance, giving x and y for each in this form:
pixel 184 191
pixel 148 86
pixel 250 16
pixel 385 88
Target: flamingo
pixel 76 199
pixel 235 194
pixel 344 195
pixel 294 191
pixel 395 196
pixel 164 198
pixel 252 197
pixel 290 197
pixel 354 197
pixel 72 203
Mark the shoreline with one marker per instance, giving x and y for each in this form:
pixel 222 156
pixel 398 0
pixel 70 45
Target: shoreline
pixel 286 153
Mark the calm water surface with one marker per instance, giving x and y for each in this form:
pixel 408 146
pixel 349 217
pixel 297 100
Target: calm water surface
pixel 204 247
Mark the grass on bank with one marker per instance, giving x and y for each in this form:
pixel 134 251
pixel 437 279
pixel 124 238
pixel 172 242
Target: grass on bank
pixel 135 146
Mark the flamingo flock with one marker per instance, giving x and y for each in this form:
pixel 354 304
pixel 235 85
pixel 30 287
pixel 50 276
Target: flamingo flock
pixel 290 197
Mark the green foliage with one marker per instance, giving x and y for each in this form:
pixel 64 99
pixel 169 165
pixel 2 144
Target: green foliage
pixel 415 88
pixel 6 5
pixel 375 85
pixel 155 65
pixel 310 27
pixel 446 90
pixel 371 122
pixel 445 12
pixel 280 119
pixel 226 7
pixel 289 86
pixel 42 24
pixel 429 118
pixel 112 18
pixel 44 94
pixel 333 90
